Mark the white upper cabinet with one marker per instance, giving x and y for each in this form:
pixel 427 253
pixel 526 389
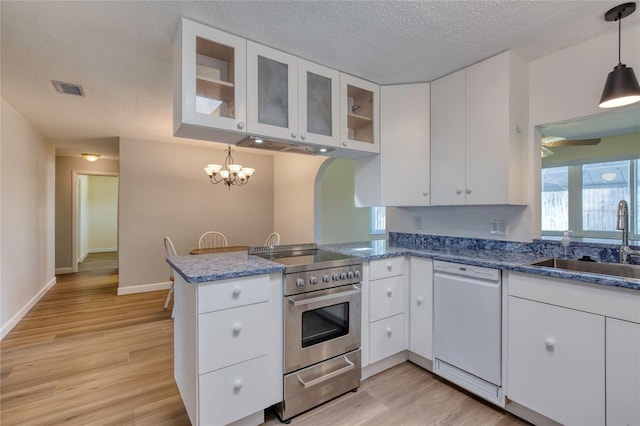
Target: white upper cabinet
pixel 209 83
pixel 318 104
pixel 404 145
pixel 478 122
pixel 359 114
pixel 272 85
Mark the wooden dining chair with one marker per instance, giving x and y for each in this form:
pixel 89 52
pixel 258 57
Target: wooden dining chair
pixel 212 239
pixel 171 251
pixel 272 240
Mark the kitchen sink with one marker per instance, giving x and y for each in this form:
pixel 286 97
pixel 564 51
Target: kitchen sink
pixel 615 269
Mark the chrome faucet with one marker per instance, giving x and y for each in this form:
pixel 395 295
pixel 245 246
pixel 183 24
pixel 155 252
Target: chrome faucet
pixel 622 224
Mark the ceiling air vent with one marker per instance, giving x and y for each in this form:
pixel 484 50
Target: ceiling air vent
pixel 68 88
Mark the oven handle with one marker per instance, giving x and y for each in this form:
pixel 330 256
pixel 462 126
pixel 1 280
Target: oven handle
pixel 350 366
pixel 324 298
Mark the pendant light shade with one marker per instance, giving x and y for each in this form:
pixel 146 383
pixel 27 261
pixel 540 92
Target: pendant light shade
pixel 622 86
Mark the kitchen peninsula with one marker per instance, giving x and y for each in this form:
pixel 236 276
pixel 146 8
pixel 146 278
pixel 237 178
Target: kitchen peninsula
pixel 208 287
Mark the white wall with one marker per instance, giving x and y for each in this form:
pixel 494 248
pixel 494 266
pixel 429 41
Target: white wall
pixel 563 86
pixel 165 191
pixel 27 175
pixel 293 196
pixel 337 219
pixel 103 213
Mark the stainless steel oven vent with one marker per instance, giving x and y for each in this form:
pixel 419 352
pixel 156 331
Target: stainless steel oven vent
pixel 283 146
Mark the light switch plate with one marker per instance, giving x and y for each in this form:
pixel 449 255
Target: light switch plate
pixel 498 227
pixel 417 222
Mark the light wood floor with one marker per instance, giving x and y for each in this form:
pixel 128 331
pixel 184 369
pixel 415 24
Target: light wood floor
pixel 84 356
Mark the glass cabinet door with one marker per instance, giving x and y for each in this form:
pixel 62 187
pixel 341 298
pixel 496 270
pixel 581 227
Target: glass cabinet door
pixel 272 89
pixel 318 93
pixel 210 81
pixel 359 114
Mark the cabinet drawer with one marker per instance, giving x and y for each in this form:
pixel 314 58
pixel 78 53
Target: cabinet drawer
pixel 227 294
pixel 383 268
pixel 386 337
pixel 387 297
pixel 235 392
pixel 231 336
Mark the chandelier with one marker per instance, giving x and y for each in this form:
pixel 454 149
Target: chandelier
pixel 230 173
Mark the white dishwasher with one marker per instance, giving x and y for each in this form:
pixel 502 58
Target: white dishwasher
pixel 467 324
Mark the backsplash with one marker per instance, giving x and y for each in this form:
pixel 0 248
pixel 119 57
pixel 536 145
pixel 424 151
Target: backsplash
pixel 548 248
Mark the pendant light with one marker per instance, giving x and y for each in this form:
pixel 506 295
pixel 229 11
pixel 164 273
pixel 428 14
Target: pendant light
pixel 621 87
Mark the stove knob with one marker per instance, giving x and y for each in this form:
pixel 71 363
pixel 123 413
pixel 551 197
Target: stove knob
pixel 343 276
pixel 313 281
pixel 326 278
pixel 357 274
pixel 299 282
pixel 350 274
pixel 336 277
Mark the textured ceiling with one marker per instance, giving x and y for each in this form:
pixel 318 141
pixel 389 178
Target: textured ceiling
pixel 120 51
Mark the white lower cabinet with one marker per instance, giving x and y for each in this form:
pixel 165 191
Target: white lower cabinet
pixel 386 308
pixel 623 372
pixel 421 307
pixel 556 361
pixel 228 348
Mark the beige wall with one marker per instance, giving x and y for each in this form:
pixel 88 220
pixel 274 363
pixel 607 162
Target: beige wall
pixel 103 213
pixel 27 174
pixel 164 191
pixel 63 192
pixel 337 219
pixel 294 182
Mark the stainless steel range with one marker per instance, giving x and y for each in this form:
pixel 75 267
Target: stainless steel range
pixel 322 304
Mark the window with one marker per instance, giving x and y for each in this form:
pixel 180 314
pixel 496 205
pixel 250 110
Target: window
pixel 584 198
pixel 378 220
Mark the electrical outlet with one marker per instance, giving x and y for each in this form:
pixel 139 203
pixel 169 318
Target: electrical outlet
pixel 498 227
pixel 417 222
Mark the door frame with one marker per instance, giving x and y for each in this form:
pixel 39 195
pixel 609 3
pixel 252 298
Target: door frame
pixel 74 210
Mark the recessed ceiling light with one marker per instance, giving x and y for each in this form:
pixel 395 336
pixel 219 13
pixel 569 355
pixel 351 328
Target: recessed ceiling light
pixel 68 88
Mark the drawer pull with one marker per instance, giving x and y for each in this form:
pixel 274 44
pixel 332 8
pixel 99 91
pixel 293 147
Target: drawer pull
pixel 237 385
pixel 550 344
pixel 236 328
pixel 389 267
pixel 236 292
pixel 389 331
pixel 420 300
pixel 389 292
pixel 321 379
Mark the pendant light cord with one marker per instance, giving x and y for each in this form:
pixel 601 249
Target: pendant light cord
pixel 619 37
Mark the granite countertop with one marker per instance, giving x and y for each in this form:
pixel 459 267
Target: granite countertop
pixel 509 256
pixel 221 266
pixel 510 259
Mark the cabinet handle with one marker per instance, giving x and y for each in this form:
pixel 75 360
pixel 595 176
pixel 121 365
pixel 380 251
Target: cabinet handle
pixel 458 191
pixel 236 328
pixel 550 344
pixel 240 125
pixel 344 143
pixel 236 292
pixel 389 292
pixel 294 134
pixel 468 190
pixel 389 267
pixel 425 193
pixel 389 331
pixel 420 300
pixel 237 385
pixel 303 136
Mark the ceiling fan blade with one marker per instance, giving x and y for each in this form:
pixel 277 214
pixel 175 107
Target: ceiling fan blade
pixel 572 142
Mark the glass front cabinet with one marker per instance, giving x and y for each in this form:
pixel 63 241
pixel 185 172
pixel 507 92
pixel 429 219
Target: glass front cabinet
pixel 359 114
pixel 209 83
pixel 290 98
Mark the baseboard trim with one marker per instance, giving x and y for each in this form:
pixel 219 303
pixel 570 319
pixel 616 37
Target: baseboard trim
pixel 103 250
pixel 26 308
pixel 425 363
pixel 61 271
pixel 384 364
pixel 143 288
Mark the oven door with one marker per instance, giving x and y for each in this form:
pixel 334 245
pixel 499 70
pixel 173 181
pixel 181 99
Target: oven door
pixel 320 325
